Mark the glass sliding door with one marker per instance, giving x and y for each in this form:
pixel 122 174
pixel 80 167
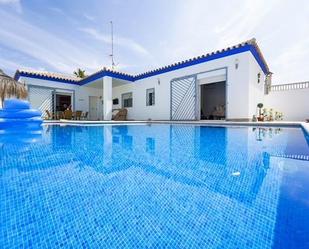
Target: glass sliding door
pixel 62 102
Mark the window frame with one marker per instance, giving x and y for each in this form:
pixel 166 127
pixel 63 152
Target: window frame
pixel 123 99
pixel 148 91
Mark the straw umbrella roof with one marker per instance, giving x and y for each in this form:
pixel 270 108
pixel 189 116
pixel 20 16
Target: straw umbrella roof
pixel 11 88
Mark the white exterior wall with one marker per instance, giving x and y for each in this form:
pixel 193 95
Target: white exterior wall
pixel 237 89
pixel 243 92
pixel 82 97
pixel 81 93
pixel 47 83
pixel 256 90
pixel 294 104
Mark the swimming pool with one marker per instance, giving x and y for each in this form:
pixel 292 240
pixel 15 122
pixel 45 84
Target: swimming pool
pixel 154 186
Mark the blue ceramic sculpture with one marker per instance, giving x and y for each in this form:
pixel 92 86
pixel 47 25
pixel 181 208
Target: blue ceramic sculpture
pixel 17 113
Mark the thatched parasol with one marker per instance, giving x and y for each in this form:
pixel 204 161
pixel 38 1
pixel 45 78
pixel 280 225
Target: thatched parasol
pixel 11 88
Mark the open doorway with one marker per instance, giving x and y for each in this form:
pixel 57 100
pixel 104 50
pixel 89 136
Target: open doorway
pixel 213 101
pixel 63 101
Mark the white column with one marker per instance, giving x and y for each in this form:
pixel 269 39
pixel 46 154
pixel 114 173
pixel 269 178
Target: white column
pixel 107 98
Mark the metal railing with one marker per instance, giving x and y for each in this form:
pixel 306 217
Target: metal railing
pixel 291 86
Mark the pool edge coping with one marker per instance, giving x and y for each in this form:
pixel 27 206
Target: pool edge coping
pixel 303 125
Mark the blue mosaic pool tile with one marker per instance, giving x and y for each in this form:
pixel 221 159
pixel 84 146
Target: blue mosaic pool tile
pixel 155 186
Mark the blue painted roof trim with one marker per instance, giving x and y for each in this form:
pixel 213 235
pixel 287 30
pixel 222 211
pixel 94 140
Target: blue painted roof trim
pixel 197 61
pixel 258 59
pixel 21 74
pixel 193 62
pixel 103 73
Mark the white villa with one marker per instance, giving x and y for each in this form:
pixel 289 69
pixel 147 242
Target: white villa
pixel 225 84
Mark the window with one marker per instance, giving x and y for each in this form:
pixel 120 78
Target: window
pixel 127 100
pixel 150 96
pixel 115 101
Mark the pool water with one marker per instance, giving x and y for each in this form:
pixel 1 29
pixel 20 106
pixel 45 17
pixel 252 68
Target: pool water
pixel 154 186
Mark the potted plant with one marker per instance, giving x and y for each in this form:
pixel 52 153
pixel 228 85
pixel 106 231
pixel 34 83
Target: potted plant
pixel 265 114
pixel 271 118
pixel 261 116
pixel 278 116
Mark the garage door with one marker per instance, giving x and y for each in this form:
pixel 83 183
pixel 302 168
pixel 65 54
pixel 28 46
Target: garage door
pixel 183 98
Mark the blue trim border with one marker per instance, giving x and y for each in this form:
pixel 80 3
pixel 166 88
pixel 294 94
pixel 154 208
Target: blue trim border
pixel 184 64
pixel 196 61
pixel 22 74
pixel 103 73
pixel 258 58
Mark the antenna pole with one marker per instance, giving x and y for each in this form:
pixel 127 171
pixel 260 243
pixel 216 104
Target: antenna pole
pixel 112 37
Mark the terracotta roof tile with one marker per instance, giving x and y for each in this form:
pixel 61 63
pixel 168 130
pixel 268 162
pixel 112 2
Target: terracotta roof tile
pixel 249 42
pixel 59 76
pixel 74 79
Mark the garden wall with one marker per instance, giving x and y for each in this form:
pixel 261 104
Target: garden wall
pixel 293 103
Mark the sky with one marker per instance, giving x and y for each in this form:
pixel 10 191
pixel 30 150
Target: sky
pixel 63 35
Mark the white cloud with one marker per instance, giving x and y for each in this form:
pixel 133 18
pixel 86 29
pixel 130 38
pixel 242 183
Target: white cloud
pixel 288 63
pixel 60 54
pixel 96 35
pixel 200 26
pixel 9 1
pixel 63 14
pixel 118 40
pixel 192 28
pixel 16 4
pixel 243 24
pixel 57 10
pixel 8 64
pixel 89 17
